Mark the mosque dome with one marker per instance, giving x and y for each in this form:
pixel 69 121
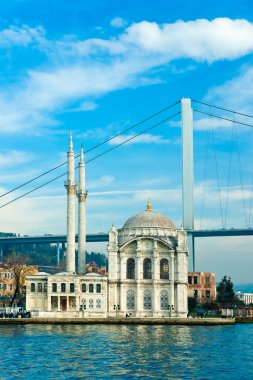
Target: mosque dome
pixel 149 218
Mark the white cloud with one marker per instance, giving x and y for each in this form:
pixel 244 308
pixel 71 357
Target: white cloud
pixel 79 70
pixel 142 139
pixel 118 22
pixel 14 158
pixel 237 93
pixel 21 36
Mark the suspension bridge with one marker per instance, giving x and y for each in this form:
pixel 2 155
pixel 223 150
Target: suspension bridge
pixel 222 114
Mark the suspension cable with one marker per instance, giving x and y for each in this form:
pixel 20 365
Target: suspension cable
pixel 223 118
pixel 217 174
pixel 229 175
pixel 221 108
pixel 94 147
pixel 93 158
pixel 206 158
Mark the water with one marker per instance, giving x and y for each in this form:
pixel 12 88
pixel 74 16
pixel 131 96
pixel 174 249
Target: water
pixel 126 352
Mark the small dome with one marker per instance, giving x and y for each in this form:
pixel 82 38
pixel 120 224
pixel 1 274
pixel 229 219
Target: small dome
pixel 149 218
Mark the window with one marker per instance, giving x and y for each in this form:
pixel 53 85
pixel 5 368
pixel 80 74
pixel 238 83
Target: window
pixel 130 300
pixel 195 280
pixel 98 288
pixel 32 287
pixel 11 286
pixel 5 287
pixel 130 269
pixel 63 287
pixel 164 300
pixel 207 280
pixel 40 287
pixel 0 274
pixel 45 287
pixel 91 303
pixel 83 288
pixel 147 300
pixel 91 288
pixel 0 286
pixel 98 304
pixel 164 269
pixel 195 293
pixel 189 279
pixel 72 287
pixel 147 266
pixel 54 287
pixel 5 275
pixel 208 293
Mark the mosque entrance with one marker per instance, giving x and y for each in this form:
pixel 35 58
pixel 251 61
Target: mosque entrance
pixel 63 303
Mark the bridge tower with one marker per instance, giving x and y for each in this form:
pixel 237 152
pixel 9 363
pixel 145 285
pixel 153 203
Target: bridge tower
pixel 70 186
pixel 81 195
pixel 188 177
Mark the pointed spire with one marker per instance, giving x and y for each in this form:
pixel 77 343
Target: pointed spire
pixel 149 207
pixel 82 155
pixel 70 142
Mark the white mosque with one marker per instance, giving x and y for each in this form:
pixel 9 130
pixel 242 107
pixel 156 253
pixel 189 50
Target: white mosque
pixel 148 265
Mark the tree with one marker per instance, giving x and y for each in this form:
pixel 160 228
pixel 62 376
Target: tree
pixel 192 303
pixel 225 291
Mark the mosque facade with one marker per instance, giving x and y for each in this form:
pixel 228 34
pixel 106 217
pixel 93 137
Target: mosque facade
pixel 148 267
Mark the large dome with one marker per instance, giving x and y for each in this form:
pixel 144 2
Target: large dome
pixel 149 218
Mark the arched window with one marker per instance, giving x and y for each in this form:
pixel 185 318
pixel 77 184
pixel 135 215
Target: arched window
pixel 147 300
pixel 72 287
pixel 45 287
pixel 40 287
pixel 63 287
pixel 130 301
pixel 164 269
pixel 147 269
pixel 164 300
pixel 54 287
pixel 32 287
pixel 130 269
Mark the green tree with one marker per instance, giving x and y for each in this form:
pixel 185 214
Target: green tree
pixel 225 291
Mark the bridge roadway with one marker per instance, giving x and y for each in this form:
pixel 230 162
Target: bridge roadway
pixel 104 237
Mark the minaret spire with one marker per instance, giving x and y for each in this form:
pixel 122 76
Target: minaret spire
pixel 70 186
pixel 82 195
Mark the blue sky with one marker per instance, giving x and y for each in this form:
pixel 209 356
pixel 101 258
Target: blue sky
pixel 97 67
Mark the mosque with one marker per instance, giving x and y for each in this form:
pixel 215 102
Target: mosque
pixel 148 265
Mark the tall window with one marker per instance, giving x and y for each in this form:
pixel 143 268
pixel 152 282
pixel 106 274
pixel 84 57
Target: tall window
pixel 164 269
pixel 91 288
pixel 147 300
pixel 40 287
pixel 72 287
pixel 54 287
pixel 130 269
pixel 130 301
pixel 147 269
pixel 164 300
pixel 63 287
pixel 195 280
pixel 83 288
pixel 32 287
pixel 98 288
pixel 45 287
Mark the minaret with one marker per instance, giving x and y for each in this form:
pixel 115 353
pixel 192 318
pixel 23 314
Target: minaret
pixel 70 186
pixel 81 194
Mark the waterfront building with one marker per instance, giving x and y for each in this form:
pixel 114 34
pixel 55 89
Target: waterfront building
pixel 247 298
pixel 147 275
pixel 10 274
pixel 201 286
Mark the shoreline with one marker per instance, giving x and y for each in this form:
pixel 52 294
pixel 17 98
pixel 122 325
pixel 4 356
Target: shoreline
pixel 121 321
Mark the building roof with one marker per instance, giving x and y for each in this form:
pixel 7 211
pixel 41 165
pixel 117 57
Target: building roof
pixel 149 218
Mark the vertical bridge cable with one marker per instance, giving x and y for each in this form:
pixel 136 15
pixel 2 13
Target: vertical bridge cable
pixel 217 174
pixel 206 157
pixel 240 175
pixel 229 173
pixel 250 202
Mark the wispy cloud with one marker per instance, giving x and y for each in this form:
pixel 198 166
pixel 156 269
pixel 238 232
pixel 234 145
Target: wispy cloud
pixel 142 139
pixel 118 22
pixel 14 158
pixel 75 74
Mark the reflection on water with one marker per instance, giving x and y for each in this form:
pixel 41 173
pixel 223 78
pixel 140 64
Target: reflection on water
pixel 129 352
